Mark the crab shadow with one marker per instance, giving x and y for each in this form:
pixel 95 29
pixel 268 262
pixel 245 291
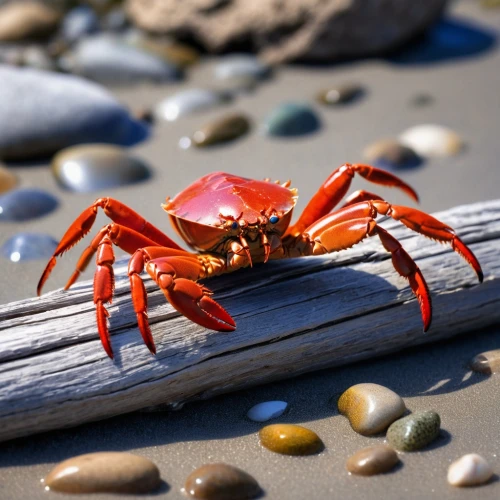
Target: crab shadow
pixel 429 370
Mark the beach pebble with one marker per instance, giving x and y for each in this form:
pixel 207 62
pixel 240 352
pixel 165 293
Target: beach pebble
pixel 372 460
pixel 390 153
pixel 224 129
pixel 27 20
pixel 8 180
pixel 78 22
pixel 289 439
pixel 43 112
pixel 267 410
pixel 486 362
pixel 91 167
pixel 236 85
pixel 28 246
pixel 24 204
pixel 38 58
pixel 187 102
pixel 340 94
pixel 370 408
pixel 432 140
pixel 174 52
pixel 291 119
pixel 104 472
pixel 241 65
pixel 108 59
pixel 415 431
pixel 469 470
pixel 221 482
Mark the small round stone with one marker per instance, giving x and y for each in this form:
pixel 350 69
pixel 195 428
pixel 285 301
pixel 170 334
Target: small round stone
pixel 221 482
pixel 432 140
pixel 370 408
pixel 238 65
pixel 390 153
pixel 289 439
pixel 224 129
pixel 372 460
pixel 187 102
pixel 487 362
pixel 267 410
pixel 415 431
pixel 28 246
pixel 340 94
pixel 291 119
pixel 469 470
pixel 92 167
pixel 8 180
pixel 25 204
pixel 174 52
pixel 104 472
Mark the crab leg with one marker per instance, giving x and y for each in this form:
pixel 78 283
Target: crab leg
pixel 336 186
pixel 176 276
pixel 118 213
pixel 353 223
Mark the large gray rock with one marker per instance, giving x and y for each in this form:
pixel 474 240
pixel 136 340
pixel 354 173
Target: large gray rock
pixel 42 112
pixel 286 30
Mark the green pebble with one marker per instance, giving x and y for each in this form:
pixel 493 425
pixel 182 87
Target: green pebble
pixel 415 431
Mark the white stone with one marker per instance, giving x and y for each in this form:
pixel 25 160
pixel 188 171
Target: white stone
pixel 432 140
pixel 266 411
pixel 469 470
pixel 187 102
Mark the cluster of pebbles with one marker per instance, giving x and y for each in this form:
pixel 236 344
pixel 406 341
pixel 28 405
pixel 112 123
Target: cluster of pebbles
pixel 371 409
pixel 62 110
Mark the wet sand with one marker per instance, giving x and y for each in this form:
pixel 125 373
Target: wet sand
pixel 466 98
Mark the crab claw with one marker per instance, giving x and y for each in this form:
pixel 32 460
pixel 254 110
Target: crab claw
pixel 193 301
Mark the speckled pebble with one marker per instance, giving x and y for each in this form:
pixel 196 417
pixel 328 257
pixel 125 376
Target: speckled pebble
pixel 225 129
pixel 390 153
pixel 8 180
pixel 266 411
pixel 432 140
pixel 291 119
pixel 415 431
pixel 25 204
pixel 486 362
pixel 221 482
pixel 91 167
pixel 187 102
pixel 28 246
pixel 370 408
pixel 104 472
pixel 372 460
pixel 469 470
pixel 340 94
pixel 289 439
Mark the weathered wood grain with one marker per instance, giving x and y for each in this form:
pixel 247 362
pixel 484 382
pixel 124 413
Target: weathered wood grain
pixel 293 316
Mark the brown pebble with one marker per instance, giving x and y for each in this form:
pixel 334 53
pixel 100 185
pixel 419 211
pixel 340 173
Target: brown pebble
pixel 221 482
pixel 26 20
pixel 290 439
pixel 372 460
pixel 487 362
pixel 341 94
pixel 104 472
pixel 7 180
pixel 392 153
pixel 176 53
pixel 225 129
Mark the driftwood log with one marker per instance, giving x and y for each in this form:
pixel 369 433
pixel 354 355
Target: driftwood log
pixel 293 317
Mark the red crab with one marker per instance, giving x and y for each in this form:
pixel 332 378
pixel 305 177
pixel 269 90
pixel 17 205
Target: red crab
pixel 234 222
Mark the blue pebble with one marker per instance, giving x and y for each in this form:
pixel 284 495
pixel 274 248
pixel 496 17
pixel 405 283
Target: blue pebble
pixel 78 22
pixel 291 119
pixel 29 246
pixel 25 204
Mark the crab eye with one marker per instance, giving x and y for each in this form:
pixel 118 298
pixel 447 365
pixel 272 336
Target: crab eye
pixel 234 225
pixel 274 219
